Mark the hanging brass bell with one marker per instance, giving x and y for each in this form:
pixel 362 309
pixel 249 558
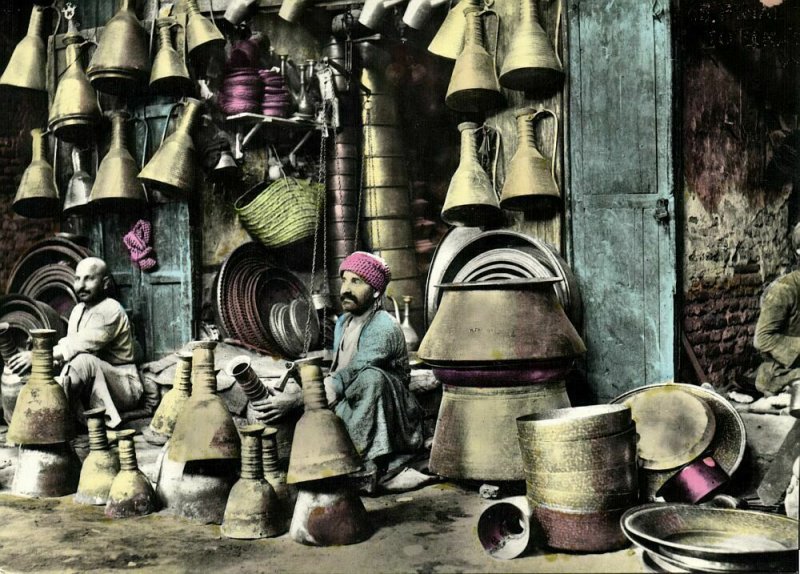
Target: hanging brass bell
pixel 253 509
pixel 172 167
pixel 45 471
pixel 204 429
pixel 329 513
pixel 131 493
pixel 530 183
pixel 321 448
pixel 116 187
pixel 37 195
pixel 79 188
pixel 100 466
pixel 531 63
pixel 27 67
pixel 473 86
pixel 74 112
pixel 163 422
pixel 42 415
pixel 449 39
pixel 121 63
pixel 201 34
pixel 169 75
pixel 471 199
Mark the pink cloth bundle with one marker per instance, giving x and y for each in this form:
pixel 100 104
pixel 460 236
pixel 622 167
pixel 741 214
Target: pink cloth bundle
pixel 137 240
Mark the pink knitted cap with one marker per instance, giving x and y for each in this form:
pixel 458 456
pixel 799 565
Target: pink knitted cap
pixel 369 267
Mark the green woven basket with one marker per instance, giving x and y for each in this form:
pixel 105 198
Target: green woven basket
pixel 283 212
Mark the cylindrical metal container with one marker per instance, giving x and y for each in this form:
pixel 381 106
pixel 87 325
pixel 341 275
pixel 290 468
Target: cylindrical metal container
pixel 383 141
pixel 385 171
pixel 386 203
pixel 597 531
pixel 387 233
pixel 379 110
pixel 402 262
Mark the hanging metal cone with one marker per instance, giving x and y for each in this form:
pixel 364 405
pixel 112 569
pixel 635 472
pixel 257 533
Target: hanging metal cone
pixel 531 63
pixel 449 40
pixel 201 34
pixel 101 464
pixel 471 199
pixel 473 86
pixel 292 9
pixel 131 493
pixel 530 183
pixel 169 75
pixel 37 195
pixel 253 509
pixel 418 11
pixel 372 13
pixel 42 415
pixel 79 188
pixel 204 429
pixel 329 513
pixel 321 448
pixel 46 471
pixel 27 67
pixel 163 422
pixel 172 167
pixel 116 187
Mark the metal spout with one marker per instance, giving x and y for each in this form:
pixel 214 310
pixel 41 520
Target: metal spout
pixel 37 196
pixel 101 464
pixel 329 513
pixel 131 493
pixel 169 75
pixel 27 68
pixel 449 40
pixel 45 471
pixel 116 187
pixel 239 368
pixel 79 188
pixel 165 417
pixel 201 34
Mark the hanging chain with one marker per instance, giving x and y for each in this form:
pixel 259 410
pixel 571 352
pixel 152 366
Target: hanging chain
pixel 366 146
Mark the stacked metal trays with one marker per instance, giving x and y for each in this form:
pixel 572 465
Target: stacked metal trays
pixel 288 325
pixel 23 314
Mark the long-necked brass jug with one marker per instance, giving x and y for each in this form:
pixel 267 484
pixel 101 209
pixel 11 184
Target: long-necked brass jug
pixel 169 75
pixel 42 414
pixel 531 64
pixel 530 183
pixel 74 113
pixel 121 62
pixel 473 85
pixel 101 464
pixel 27 67
pixel 166 415
pixel 80 184
pixel 116 187
pixel 201 34
pixel 204 429
pixel 172 167
pixel 471 199
pixel 131 493
pixel 449 40
pixel 37 195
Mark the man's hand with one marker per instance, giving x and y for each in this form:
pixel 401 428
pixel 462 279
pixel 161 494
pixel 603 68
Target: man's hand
pixel 330 392
pixel 276 407
pixel 21 362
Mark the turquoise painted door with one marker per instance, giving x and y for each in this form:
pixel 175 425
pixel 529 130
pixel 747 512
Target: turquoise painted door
pixel 621 183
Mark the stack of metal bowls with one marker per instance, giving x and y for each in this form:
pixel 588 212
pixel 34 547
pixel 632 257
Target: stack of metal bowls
pixel 581 474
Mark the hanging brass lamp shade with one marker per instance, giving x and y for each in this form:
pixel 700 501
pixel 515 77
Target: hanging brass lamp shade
pixel 27 67
pixel 449 40
pixel 80 185
pixel 169 75
pixel 473 86
pixel 37 195
pixel 172 167
pixel 471 199
pixel 201 34
pixel 116 187
pixel 204 429
pixel 496 322
pixel 121 62
pixel 531 64
pixel 530 183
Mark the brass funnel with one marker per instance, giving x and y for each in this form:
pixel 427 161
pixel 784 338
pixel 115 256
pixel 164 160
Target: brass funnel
pixel 482 323
pixel 253 509
pixel 169 75
pixel 530 183
pixel 27 67
pixel 121 63
pixel 101 464
pixel 321 448
pixel 471 199
pixel 531 63
pixel 204 429
pixel 201 34
pixel 131 493
pixel 74 113
pixel 172 167
pixel 37 195
pixel 116 187
pixel 292 9
pixel 329 513
pixel 163 422
pixel 449 40
pixel 79 188
pixel 473 85
pixel 42 415
pixel 46 471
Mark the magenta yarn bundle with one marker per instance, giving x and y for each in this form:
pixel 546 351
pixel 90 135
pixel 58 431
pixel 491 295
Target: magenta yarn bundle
pixel 138 241
pixel 241 91
pixel 276 101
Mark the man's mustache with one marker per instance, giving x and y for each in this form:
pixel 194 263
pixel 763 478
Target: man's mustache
pixel 346 297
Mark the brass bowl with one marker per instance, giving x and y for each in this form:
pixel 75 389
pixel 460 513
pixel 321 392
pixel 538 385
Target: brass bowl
pixel 601 481
pixel 576 423
pixel 577 455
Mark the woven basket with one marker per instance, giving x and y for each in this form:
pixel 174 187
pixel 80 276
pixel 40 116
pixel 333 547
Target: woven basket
pixel 282 213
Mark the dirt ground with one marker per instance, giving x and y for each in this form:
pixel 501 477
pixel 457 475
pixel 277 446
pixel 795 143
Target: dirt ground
pixel 431 530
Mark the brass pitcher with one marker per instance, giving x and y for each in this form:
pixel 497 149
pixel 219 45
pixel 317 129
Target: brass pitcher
pixel 201 34
pixel 204 429
pixel 74 113
pixel 530 183
pixel 116 187
pixel 409 334
pixel 42 415
pixel 531 64
pixel 79 188
pixel 101 464
pixel 473 86
pixel 449 40
pixel 253 510
pixel 37 195
pixel 172 167
pixel 471 199
pixel 121 62
pixel 131 493
pixel 165 417
pixel 169 75
pixel 27 67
